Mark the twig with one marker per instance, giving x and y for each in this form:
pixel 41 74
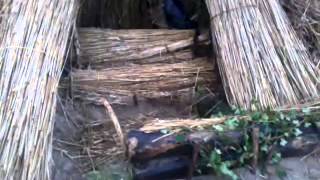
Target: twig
pixel 116 123
pixel 255 141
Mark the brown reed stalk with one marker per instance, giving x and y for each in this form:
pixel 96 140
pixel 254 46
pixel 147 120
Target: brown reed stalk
pixel 35 37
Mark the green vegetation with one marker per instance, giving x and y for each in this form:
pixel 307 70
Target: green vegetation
pixel 275 129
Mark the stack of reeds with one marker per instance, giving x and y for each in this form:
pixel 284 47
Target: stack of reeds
pixel 102 47
pixel 147 63
pixel 262 59
pixel 305 18
pixel 152 80
pixel 33 47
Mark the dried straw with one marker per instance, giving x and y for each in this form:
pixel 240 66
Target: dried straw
pixel 33 47
pixel 102 47
pixel 305 18
pixel 261 57
pixel 150 80
pixel 180 124
pixel 147 63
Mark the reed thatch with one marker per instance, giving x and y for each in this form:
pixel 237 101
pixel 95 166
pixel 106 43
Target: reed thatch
pixel 33 47
pixel 305 18
pixel 261 58
pixel 147 63
pixel 102 47
pixel 150 80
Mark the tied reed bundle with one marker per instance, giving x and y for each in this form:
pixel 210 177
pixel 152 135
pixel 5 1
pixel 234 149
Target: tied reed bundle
pixel 261 58
pixel 102 47
pixel 35 37
pixel 150 80
pixel 146 63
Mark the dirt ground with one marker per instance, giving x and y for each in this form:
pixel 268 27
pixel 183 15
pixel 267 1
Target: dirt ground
pixel 71 119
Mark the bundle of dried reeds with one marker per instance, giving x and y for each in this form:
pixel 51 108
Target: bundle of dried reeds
pixel 261 58
pixel 305 17
pixel 180 124
pixel 103 47
pixel 35 38
pixel 150 80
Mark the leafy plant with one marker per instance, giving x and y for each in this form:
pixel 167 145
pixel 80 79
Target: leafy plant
pixel 275 129
pixel 220 166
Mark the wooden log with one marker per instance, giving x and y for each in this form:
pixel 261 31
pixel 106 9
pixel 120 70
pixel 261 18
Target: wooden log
pixel 153 144
pixel 155 154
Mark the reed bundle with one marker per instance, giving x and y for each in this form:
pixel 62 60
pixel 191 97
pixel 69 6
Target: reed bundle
pixel 35 37
pixel 305 18
pixel 103 47
pixel 180 124
pixel 149 80
pixel 261 58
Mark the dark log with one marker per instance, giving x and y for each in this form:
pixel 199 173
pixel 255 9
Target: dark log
pixel 159 156
pixel 144 146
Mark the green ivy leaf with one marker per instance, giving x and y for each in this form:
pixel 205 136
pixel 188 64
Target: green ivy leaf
pixel 232 123
pixel 283 142
pixel 165 131
pixel 293 114
pixel 297 132
pixel 218 151
pixel 282 116
pixel 218 128
pixel 224 169
pixel 296 122
pixel 306 111
pixel 265 117
pixel 306 125
pixel 237 112
pixel 256 116
pixel 276 158
pixel 180 138
pixel 264 148
pixel 286 134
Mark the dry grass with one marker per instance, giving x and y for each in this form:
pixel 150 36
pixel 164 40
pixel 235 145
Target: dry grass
pixel 305 18
pixel 97 142
pixel 261 56
pixel 33 46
